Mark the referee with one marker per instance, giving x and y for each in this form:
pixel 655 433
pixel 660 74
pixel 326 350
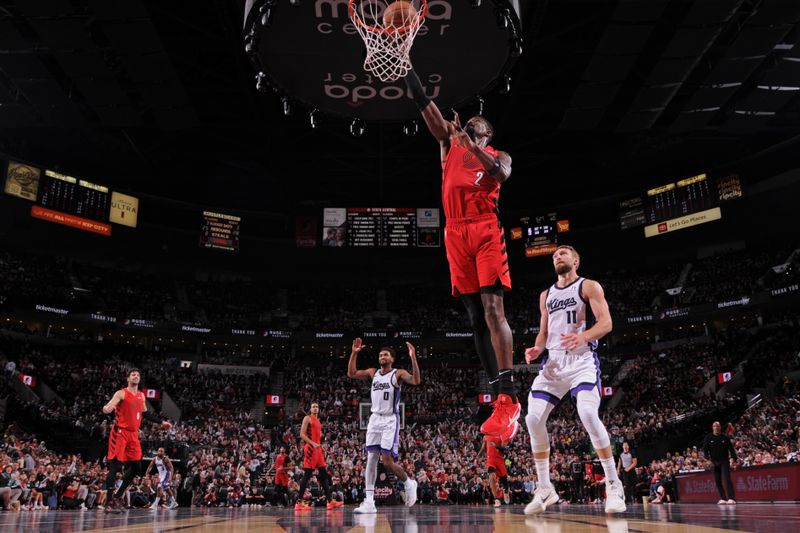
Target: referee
pixel 718 449
pixel 626 468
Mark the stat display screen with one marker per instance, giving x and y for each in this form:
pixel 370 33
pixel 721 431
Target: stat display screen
pixel 677 199
pixel 220 231
pixel 396 227
pixel 81 198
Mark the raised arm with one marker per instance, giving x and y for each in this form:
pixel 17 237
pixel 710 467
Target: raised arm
pixel 414 378
pixel 532 353
pixel 113 402
pixel 352 371
pixel 433 118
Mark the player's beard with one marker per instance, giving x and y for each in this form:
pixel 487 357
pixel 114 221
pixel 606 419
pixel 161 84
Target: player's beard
pixel 563 269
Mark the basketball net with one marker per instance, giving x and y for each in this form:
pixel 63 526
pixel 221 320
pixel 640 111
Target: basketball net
pixel 388 42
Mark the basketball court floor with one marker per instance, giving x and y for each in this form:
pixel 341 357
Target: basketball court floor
pixel 563 519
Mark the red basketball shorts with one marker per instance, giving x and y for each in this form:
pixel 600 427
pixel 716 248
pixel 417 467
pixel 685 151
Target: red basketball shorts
pixel 313 457
pixel 497 466
pixel 123 445
pixel 282 479
pixel 476 251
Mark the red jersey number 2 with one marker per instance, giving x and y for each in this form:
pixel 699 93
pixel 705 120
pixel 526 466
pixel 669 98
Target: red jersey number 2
pixel 478 179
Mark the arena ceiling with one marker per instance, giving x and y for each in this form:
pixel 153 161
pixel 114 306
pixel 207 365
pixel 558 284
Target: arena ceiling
pixel 609 96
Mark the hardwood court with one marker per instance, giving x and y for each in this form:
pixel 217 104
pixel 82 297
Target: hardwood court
pixel 564 519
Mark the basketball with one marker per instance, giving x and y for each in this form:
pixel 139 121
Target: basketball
pixel 398 15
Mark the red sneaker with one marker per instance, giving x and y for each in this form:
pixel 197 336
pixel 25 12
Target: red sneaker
pixel 505 414
pixel 333 504
pixel 509 435
pixel 302 506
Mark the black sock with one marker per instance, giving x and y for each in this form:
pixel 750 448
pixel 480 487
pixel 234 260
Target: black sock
pixel 506 383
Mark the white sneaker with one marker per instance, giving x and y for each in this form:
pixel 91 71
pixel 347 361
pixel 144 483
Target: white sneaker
pixel 722 502
pixel 615 497
pixel 173 505
pixel 497 503
pixel 411 492
pixel 82 507
pixel 542 497
pixel 366 508
pixel 731 502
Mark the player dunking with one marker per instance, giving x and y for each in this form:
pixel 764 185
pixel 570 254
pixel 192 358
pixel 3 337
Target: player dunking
pixel 314 458
pixel 124 449
pixel 166 473
pixel 574 317
pixel 383 430
pixel 496 467
pixel 472 173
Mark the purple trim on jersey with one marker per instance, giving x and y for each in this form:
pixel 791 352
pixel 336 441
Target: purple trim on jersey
pixel 542 395
pixel 396 434
pixel 555 285
pixel 374 448
pixel 389 452
pixel 396 403
pixel 589 386
pixel 545 358
pixel 580 387
pixel 580 293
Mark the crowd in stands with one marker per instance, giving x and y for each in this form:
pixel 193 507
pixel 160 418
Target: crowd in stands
pixel 237 302
pixel 227 455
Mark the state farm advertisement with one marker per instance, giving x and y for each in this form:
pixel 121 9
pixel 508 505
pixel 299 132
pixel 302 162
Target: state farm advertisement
pixel 762 483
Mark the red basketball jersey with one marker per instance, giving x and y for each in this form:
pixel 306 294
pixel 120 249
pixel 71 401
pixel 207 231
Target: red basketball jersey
pixel 315 430
pixel 467 188
pixel 280 462
pixel 129 410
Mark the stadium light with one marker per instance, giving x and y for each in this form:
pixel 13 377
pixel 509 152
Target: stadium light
pixel 357 127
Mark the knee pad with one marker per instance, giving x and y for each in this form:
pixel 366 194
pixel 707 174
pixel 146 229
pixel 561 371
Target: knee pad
pixel 536 420
pixel 588 403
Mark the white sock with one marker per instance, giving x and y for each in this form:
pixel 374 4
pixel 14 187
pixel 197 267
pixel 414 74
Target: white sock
pixel 543 471
pixel 610 469
pixel 155 502
pixel 370 496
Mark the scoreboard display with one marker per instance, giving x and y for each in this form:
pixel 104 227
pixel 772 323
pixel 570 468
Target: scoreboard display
pixel 81 198
pixel 220 231
pixel 677 199
pixel 380 226
pixel 540 234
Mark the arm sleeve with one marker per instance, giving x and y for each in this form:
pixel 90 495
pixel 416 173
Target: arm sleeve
pixel 414 86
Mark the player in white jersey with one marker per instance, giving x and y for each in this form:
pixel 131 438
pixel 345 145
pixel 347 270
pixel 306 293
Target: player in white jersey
pixel 166 472
pixel 574 317
pixel 383 430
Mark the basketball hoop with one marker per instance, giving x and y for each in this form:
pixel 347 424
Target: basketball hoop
pixel 388 29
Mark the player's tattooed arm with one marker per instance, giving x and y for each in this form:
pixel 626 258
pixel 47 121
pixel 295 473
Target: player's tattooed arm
pixel 415 378
pixel 352 370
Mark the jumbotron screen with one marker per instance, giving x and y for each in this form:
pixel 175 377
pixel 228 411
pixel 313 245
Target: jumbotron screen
pixel 220 231
pixel 73 196
pixel 381 226
pixel 676 199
